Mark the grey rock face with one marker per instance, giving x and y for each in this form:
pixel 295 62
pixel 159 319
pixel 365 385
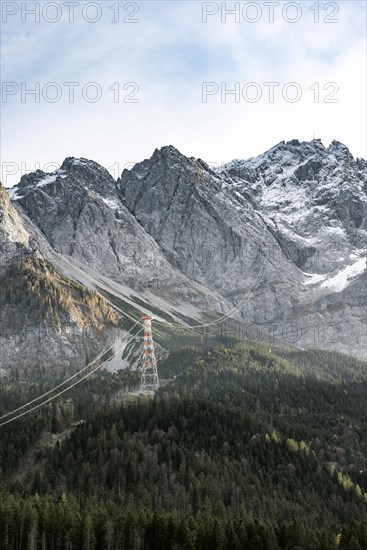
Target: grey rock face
pixel 204 231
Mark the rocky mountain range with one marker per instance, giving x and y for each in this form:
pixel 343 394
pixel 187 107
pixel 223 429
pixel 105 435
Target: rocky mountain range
pixel 275 245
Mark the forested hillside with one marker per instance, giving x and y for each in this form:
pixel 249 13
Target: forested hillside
pixel 244 448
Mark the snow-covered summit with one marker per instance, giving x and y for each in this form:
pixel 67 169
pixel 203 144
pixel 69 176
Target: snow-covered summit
pixel 292 158
pixel 313 198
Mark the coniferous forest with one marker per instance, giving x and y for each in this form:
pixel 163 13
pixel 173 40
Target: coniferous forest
pixel 248 447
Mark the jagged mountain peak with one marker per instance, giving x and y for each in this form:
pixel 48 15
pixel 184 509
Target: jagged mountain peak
pixel 69 161
pixel 298 163
pixel 86 174
pixel 33 180
pixel 338 146
pixel 171 152
pixel 283 153
pixel 165 172
pixel 81 164
pixel 296 148
pixel 171 157
pixel 167 154
pixel 167 151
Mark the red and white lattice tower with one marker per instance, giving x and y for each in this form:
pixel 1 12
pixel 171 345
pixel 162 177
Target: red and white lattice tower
pixel 149 377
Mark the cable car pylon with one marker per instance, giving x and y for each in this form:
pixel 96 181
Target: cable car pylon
pixel 149 378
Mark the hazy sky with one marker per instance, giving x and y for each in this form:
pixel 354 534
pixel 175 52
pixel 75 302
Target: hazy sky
pixel 153 73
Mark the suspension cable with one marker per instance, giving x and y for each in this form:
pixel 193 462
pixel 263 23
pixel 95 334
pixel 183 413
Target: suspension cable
pixel 63 383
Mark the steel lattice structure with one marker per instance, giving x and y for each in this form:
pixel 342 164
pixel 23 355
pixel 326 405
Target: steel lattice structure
pixel 149 377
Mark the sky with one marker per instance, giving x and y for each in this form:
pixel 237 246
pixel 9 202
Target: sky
pixel 112 81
